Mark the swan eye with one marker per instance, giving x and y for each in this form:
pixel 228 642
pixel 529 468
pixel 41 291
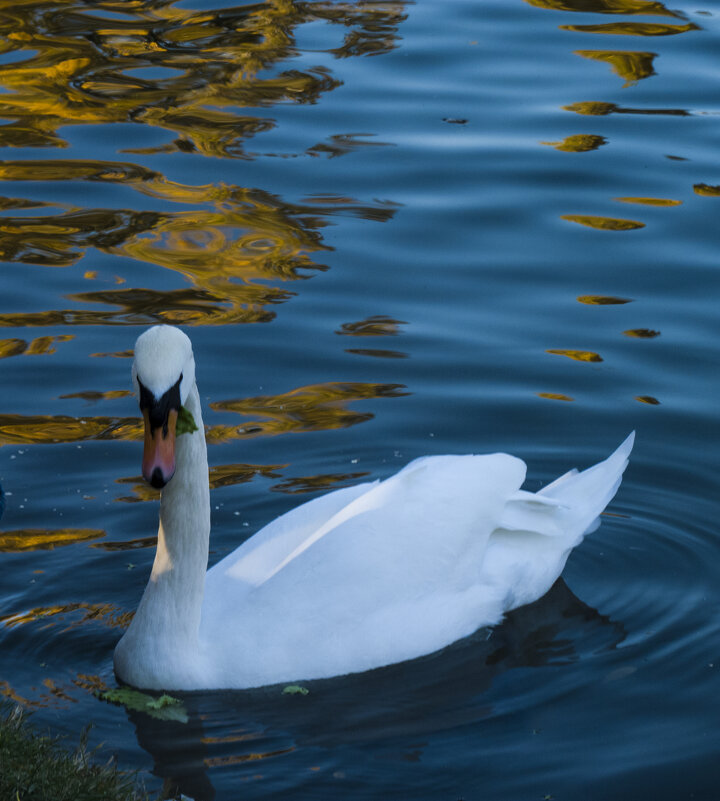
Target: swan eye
pixel 159 408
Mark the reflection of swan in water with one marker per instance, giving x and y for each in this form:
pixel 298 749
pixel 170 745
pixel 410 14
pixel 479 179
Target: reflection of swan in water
pixel 362 577
pixel 228 734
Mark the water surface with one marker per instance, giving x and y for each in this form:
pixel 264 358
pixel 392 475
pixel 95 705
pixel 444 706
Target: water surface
pixel 391 229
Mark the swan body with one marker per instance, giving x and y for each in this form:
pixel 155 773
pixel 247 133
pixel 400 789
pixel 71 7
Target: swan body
pixel 359 578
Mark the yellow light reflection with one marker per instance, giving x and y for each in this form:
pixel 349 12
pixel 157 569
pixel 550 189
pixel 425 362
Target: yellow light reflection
pixel 106 614
pixel 603 223
pixel 642 333
pixel 30 539
pixel 234 248
pixel 632 66
pixel 707 190
pixel 378 325
pixel 41 346
pixel 602 300
pixel 650 201
pixel 319 407
pixel 324 482
pixel 554 396
pixel 600 109
pixel 645 7
pixel 577 355
pixel 578 143
pixel 632 28
pixel 80 68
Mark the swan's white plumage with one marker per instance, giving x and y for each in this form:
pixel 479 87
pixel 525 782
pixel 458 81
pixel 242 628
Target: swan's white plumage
pixel 361 577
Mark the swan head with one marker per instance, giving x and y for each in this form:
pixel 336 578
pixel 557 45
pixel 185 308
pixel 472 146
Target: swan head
pixel 163 374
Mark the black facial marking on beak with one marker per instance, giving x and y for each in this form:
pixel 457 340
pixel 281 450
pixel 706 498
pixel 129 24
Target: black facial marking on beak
pixel 160 416
pixel 159 409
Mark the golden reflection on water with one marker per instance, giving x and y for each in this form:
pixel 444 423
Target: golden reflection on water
pixel 237 244
pixel 226 475
pixel 233 253
pixel 649 201
pixel 121 354
pixel 40 346
pixel 220 476
pixel 577 355
pixel 300 484
pixel 555 396
pixel 126 545
pixel 238 759
pixel 578 143
pixel 603 223
pixel 600 109
pixel 82 69
pixel 43 429
pixel 632 28
pixel 645 7
pixel 92 396
pixel 642 333
pixel 106 614
pixel 30 539
pixel 378 353
pixel 707 190
pixel 58 692
pixel 319 407
pixel 54 696
pixel 602 300
pixel 378 325
pixel 632 66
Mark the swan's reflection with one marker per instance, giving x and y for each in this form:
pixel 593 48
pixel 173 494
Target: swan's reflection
pixel 433 694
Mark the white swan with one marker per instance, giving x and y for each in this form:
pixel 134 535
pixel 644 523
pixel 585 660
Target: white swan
pixel 361 577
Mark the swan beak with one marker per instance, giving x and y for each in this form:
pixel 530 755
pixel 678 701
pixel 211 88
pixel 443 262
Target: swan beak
pixel 158 465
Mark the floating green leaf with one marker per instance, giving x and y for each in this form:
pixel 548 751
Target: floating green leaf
pixel 295 689
pixel 164 708
pixel 163 701
pixel 185 422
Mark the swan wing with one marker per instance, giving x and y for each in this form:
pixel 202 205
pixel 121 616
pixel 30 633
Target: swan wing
pixel 424 517
pixel 392 574
pixel 256 559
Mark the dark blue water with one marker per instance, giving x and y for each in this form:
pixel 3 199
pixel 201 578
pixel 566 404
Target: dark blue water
pixel 390 229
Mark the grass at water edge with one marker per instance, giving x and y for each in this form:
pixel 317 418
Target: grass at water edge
pixel 39 767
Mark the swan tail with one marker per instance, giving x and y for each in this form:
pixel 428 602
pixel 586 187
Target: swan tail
pixel 584 495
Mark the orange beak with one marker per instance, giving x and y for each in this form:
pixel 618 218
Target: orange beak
pixel 158 465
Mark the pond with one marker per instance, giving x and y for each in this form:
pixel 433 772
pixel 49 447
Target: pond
pixel 390 229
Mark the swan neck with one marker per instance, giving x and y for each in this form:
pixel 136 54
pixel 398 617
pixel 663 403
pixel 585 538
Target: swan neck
pixel 172 602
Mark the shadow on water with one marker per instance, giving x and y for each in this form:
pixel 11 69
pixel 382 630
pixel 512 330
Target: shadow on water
pixel 383 709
